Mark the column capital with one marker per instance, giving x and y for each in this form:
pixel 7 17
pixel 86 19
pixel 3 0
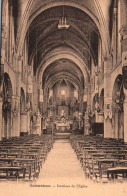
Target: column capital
pixel 87 85
pixel 123 31
pixel 20 58
pixel 107 58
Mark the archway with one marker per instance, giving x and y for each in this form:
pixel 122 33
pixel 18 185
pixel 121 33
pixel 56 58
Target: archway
pixel 7 106
pixel 117 108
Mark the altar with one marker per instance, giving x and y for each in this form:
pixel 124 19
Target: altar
pixel 63 127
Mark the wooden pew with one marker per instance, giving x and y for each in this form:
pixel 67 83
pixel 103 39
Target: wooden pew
pixel 113 173
pixel 10 172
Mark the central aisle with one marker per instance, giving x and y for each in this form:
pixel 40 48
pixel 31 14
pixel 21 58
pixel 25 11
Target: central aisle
pixel 62 165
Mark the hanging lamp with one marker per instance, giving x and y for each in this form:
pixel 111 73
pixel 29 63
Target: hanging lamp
pixel 63 22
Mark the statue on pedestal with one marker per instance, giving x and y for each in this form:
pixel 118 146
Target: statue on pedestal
pixel 62 112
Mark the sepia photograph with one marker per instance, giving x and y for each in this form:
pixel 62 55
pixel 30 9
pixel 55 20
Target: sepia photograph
pixel 63 97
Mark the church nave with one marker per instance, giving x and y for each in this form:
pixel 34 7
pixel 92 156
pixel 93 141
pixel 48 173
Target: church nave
pixel 63 92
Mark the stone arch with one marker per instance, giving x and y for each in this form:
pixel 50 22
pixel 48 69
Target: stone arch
pixel 59 55
pixel 25 23
pixel 58 77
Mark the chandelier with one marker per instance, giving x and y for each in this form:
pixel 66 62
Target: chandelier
pixel 63 22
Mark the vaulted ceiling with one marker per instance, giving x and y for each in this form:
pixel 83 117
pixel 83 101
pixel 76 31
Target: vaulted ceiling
pixel 62 69
pixel 81 38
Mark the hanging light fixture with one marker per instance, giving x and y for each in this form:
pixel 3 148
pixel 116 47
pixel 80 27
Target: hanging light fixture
pixel 63 22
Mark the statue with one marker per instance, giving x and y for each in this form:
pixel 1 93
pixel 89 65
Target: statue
pixel 62 112
pixel 63 119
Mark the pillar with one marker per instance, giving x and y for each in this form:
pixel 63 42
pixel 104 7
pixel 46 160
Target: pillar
pixel 87 97
pixel 38 124
pixel 23 122
pixel 125 118
pixel 1 101
pixel 108 132
pixel 123 33
pixel 116 125
pixel 100 117
pixel 28 125
pixel 15 116
pixel 16 98
pixel 121 125
pixel 35 96
pixel 29 97
pixel 3 41
pixel 28 110
pixel 86 123
pixel 115 34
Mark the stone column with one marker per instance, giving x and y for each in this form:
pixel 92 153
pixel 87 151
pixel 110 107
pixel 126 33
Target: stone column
pixel 88 109
pixel 29 112
pixel 86 123
pixel 3 41
pixel 115 34
pixel 38 125
pixel 28 123
pixel 35 96
pixel 100 117
pixel 37 129
pixel 16 99
pixel 125 118
pixel 116 127
pixel 1 101
pixel 84 107
pixel 29 102
pixel 15 116
pixel 123 32
pixel 10 33
pixel 108 133
pixel 23 122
